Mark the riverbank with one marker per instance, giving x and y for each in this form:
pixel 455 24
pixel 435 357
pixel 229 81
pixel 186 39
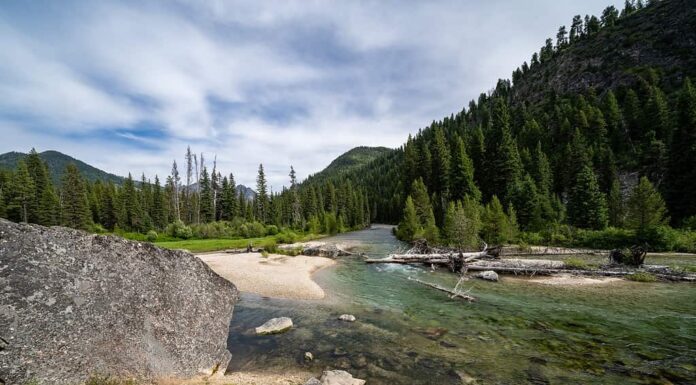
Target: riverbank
pixel 277 276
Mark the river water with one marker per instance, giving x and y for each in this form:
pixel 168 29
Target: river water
pixel 518 332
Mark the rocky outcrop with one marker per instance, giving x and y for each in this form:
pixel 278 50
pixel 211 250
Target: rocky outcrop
pixel 339 377
pixel 274 326
pixel 75 304
pixel 347 317
pixel 488 275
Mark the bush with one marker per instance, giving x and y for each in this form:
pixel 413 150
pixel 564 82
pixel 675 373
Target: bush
pixel 252 230
pixel 151 236
pixel 271 230
pixel 642 276
pixel 270 246
pixel 286 236
pixel 98 229
pixel 179 230
pixel 575 263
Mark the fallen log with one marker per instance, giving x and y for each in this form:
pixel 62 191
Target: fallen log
pixel 599 272
pixel 452 293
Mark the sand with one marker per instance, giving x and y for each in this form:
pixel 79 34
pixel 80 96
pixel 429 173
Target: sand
pixel 573 280
pixel 278 276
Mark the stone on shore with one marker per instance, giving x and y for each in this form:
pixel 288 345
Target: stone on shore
pixel 347 317
pixel 312 381
pixel 76 305
pixel 274 326
pixel 308 356
pixel 488 275
pixel 339 377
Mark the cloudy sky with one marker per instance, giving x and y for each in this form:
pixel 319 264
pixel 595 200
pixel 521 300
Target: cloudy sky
pixel 127 85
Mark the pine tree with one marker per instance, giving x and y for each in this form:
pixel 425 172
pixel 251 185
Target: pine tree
pixel 645 207
pixel 542 171
pixel 683 156
pixel 296 207
pixel 587 206
pixel 24 192
pixel 615 205
pixel 525 197
pixel 440 164
pixel 421 200
pixel 262 207
pixel 409 226
pixel 75 205
pixel 157 212
pixel 462 224
pixel 503 159
pixel 176 180
pixel 3 205
pixel 430 231
pixel 463 173
pixel 130 212
pixel 206 200
pixel 495 223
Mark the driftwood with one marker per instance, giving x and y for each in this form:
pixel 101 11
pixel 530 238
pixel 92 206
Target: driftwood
pixel 634 257
pixel 610 272
pixel 452 293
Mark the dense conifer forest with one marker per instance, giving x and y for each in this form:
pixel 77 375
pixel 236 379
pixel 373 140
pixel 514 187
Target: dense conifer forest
pixel 584 145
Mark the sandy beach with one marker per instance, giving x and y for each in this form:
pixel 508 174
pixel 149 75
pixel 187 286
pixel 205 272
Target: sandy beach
pixel 278 276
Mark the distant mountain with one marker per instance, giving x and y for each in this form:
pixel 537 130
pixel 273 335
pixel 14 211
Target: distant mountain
pixel 353 159
pixel 57 162
pixel 249 193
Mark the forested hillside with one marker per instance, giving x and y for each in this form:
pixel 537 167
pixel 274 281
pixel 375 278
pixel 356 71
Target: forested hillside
pixel 593 132
pixel 56 163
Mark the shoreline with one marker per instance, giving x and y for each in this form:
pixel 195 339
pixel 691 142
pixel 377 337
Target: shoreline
pixel 276 276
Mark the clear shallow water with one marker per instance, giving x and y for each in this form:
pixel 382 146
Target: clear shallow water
pixel 518 332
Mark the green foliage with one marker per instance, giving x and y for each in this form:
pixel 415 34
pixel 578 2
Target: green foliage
pixel 75 211
pixel 462 224
pixel 645 207
pixel 587 206
pixel 151 236
pixel 409 226
pixel 641 276
pixel 575 263
pixel 179 230
pixel 497 227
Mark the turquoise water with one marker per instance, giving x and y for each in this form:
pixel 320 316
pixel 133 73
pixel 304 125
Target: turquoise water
pixel 517 332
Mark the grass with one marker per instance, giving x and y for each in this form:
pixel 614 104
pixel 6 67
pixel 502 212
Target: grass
pixel 205 245
pixel 642 276
pixel 575 263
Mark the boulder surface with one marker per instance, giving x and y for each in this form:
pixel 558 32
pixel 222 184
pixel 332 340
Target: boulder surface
pixel 75 305
pixel 274 326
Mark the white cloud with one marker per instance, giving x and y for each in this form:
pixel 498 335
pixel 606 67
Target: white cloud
pixel 281 82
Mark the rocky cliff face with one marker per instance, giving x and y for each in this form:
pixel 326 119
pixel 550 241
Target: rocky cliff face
pixel 75 304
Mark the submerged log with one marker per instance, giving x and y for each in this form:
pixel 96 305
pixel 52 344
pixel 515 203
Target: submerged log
pixel 452 293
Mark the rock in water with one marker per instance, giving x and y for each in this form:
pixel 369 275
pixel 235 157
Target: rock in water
pixel 274 326
pixel 488 275
pixel 347 317
pixel 339 377
pixel 75 304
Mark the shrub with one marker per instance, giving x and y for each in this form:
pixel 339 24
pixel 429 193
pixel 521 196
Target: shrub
pixel 179 230
pixel 286 236
pixel 575 263
pixel 270 246
pixel 642 276
pixel 151 236
pixel 271 230
pixel 97 228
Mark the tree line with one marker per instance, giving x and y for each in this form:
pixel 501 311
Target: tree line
pixel 197 198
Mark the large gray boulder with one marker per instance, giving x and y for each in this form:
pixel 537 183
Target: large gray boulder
pixel 75 304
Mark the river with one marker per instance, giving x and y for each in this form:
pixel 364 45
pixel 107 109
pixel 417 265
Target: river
pixel 517 332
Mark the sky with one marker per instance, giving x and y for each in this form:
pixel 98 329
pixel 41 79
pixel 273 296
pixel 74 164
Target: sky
pixel 126 86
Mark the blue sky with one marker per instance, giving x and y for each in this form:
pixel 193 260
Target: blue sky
pixel 127 85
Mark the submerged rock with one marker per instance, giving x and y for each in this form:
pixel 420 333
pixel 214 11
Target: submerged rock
pixel 274 326
pixel 339 377
pixel 347 317
pixel 76 304
pixel 488 275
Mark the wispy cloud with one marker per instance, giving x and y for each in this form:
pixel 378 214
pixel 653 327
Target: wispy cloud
pixel 128 85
